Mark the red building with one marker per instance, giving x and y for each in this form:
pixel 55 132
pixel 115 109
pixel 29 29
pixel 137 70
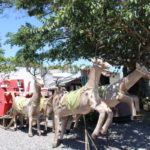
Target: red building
pixel 6 98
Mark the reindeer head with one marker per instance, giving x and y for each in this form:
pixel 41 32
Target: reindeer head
pixel 143 70
pixel 39 81
pixel 37 76
pixel 101 64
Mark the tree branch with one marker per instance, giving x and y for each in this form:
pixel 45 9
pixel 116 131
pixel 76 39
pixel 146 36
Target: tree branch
pixel 135 34
pixel 143 27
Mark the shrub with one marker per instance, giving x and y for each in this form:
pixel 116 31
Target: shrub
pixel 146 100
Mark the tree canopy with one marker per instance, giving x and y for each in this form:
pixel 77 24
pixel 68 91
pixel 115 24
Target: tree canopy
pixel 6 64
pixel 116 30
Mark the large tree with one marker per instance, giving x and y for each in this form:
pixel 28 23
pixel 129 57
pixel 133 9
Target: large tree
pixel 116 30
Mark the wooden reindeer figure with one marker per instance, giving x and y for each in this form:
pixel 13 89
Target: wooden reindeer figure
pixel 118 91
pixel 81 101
pixel 46 108
pixel 28 107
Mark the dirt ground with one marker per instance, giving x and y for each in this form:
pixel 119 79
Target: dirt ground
pixel 134 135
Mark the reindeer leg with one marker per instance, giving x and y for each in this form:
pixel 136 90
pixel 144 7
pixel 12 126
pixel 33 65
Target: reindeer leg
pixel 53 122
pixel 15 123
pixel 136 103
pixel 46 122
pixel 76 121
pixel 38 125
pixel 63 127
pixel 48 111
pixel 30 126
pixel 108 121
pixel 69 123
pixel 21 121
pixel 102 113
pixel 129 100
pixel 56 121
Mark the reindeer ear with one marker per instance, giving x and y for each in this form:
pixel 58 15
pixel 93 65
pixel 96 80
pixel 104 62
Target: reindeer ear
pixel 94 60
pixel 97 61
pixel 83 67
pixel 137 65
pixel 100 61
pixel 108 65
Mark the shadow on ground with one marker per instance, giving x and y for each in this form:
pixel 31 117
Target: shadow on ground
pixel 132 135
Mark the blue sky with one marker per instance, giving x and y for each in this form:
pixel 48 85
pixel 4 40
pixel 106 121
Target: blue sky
pixel 10 21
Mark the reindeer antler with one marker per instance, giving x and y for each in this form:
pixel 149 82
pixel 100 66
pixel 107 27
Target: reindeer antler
pixel 34 71
pixel 46 71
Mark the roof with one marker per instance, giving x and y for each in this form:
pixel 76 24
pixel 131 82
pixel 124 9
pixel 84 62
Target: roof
pixel 61 75
pixel 67 79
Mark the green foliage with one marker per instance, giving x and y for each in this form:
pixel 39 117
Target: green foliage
pixel 31 52
pixel 66 67
pixel 101 90
pixel 6 64
pixel 146 103
pixel 118 31
pixel 146 100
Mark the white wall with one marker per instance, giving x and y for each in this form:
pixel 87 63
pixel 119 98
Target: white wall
pixel 22 73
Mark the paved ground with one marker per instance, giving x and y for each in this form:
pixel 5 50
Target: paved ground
pixel 129 136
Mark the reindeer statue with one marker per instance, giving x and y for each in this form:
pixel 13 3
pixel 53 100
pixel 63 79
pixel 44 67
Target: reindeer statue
pixel 118 91
pixel 28 107
pixel 46 108
pixel 86 100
